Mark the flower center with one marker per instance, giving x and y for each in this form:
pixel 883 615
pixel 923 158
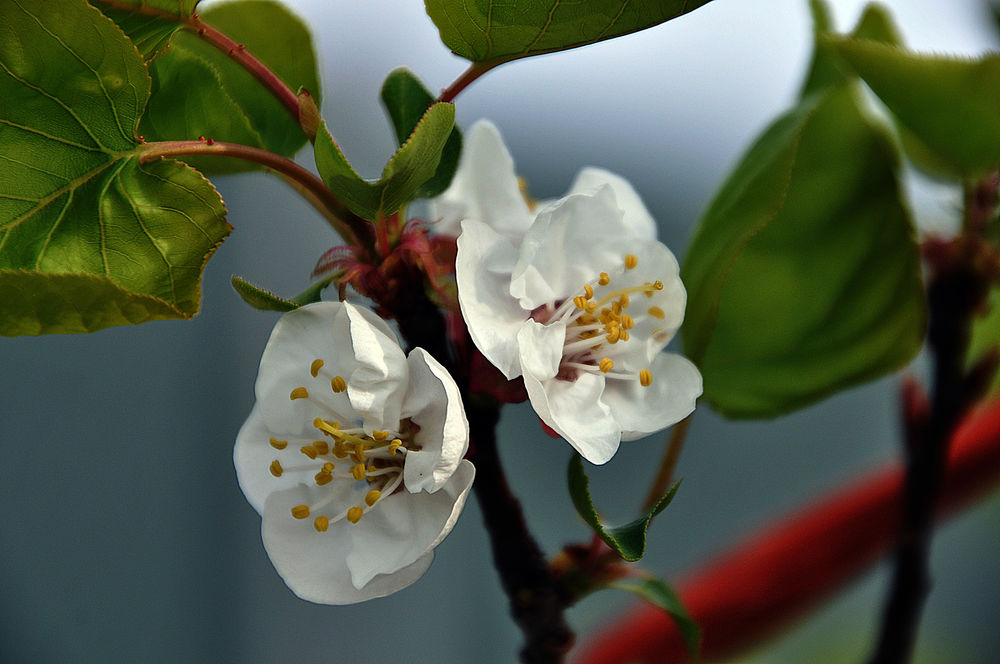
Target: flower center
pixel 342 453
pixel 599 326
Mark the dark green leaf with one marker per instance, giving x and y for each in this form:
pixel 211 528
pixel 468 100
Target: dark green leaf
pixel 259 298
pixel 950 105
pixel 491 32
pixel 89 235
pixel 804 275
pixel 199 91
pixel 413 165
pixel 659 593
pixel 629 540
pixel 149 23
pixel 406 100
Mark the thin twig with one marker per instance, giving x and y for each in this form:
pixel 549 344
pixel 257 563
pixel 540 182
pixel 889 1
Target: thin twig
pixel 669 462
pixel 475 70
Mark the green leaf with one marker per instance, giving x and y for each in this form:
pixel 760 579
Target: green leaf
pixel 406 100
pixel 804 277
pixel 629 540
pixel 659 593
pixel 490 32
pixel 148 23
pixel 90 236
pixel 265 300
pixel 413 165
pixel 950 105
pixel 199 91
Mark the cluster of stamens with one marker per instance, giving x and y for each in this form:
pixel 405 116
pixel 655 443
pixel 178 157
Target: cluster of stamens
pixel 598 326
pixel 346 454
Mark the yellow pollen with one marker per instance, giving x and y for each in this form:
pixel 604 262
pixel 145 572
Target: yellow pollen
pixel 625 335
pixel 606 365
pixel 372 497
pixel 380 435
pixel 323 478
pixel 590 307
pixel 321 447
pixel 299 393
pixel 315 367
pixel 588 292
pixel 614 334
pixel 278 444
pixel 631 260
pixel 300 511
pixel 658 285
pixel 309 451
pixel 276 468
pixel 624 300
pixel 328 467
pixel 355 513
pixel 616 308
pixel 321 524
pixel 645 377
pixel 627 322
pixel 359 471
pixel 395 445
pixel 338 384
pixel 580 302
pixel 656 312
pixel 604 280
pixel 339 449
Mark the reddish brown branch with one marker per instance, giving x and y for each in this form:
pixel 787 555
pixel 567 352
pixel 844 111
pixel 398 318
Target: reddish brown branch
pixel 775 576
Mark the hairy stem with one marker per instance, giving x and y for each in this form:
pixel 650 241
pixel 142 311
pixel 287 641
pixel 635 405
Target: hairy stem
pixel 350 227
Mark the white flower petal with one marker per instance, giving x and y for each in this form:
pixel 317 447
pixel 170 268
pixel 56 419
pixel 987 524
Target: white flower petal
pixel 670 398
pixel 574 410
pixel 404 527
pixel 377 385
pixel 541 348
pixel 634 212
pixel 484 188
pixel 482 270
pixel 252 457
pixel 434 403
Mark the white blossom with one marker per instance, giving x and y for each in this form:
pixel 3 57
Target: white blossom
pixel 576 296
pixel 352 455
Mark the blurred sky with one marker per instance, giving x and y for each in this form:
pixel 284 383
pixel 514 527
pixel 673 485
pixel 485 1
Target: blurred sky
pixel 124 536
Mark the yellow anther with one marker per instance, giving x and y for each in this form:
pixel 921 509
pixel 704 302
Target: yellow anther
pixel 631 260
pixel 625 335
pixel 606 365
pixel 338 384
pixel 321 524
pixel 580 302
pixel 590 307
pixel 300 511
pixel 276 468
pixel 588 292
pixel 616 308
pixel 614 334
pixel 372 497
pixel 627 322
pixel 604 279
pixel 645 377
pixel 299 393
pixel 358 454
pixel 321 447
pixel 395 445
pixel 380 435
pixel 359 471
pixel 323 478
pixel 656 312
pixel 315 367
pixel 624 300
pixel 278 444
pixel 658 285
pixel 339 449
pixel 328 467
pixel 309 451
pixel 355 513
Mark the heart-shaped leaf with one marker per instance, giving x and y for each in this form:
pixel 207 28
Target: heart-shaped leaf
pixel 149 23
pixel 90 236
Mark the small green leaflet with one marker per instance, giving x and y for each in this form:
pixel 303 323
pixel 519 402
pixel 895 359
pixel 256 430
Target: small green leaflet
pixel 265 300
pixel 629 540
pixel 90 236
pixel 491 32
pixel 149 23
pixel 659 593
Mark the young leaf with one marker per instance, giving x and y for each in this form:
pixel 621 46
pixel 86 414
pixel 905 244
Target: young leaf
pixel 265 300
pixel 406 100
pixel 90 236
pixel 489 32
pixel 200 91
pixel 414 164
pixel 629 540
pixel 659 593
pixel 950 105
pixel 804 275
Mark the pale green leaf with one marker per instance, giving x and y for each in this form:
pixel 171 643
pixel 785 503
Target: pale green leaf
pixel 657 592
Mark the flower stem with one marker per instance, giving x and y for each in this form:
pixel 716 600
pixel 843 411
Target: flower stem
pixel 669 462
pixel 350 227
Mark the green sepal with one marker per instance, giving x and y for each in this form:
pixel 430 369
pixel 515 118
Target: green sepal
pixel 406 100
pixel 804 276
pixel 412 166
pixel 484 31
pixel 660 594
pixel 265 300
pixel 629 540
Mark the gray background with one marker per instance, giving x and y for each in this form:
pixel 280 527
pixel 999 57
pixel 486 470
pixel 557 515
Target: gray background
pixel 124 536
